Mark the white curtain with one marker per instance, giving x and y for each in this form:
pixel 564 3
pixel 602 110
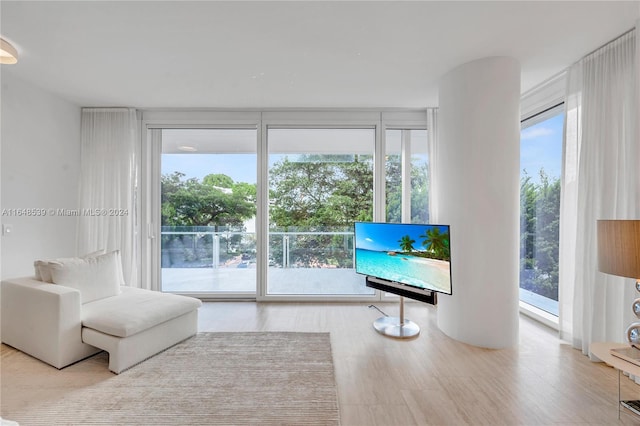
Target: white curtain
pixel 432 143
pixel 108 185
pixel 600 181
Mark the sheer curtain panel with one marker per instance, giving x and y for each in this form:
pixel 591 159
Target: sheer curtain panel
pixel 108 185
pixel 600 181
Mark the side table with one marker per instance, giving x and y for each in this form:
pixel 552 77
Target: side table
pixel 602 351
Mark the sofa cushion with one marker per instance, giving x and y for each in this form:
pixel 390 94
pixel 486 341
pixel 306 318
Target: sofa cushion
pixel 96 277
pixel 135 310
pixel 43 267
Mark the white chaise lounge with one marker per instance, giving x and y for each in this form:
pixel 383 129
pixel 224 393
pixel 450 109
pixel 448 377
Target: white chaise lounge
pixel 61 324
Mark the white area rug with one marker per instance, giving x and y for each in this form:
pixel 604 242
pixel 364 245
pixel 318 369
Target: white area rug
pixel 210 379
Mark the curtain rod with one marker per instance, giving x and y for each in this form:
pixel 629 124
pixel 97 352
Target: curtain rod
pixel 607 43
pixel 107 109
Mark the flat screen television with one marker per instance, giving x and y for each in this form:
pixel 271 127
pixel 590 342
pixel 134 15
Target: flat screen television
pixel 412 260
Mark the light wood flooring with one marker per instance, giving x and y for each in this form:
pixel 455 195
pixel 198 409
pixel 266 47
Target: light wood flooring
pixel 431 379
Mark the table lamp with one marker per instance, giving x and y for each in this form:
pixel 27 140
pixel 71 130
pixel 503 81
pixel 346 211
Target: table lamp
pixel 619 254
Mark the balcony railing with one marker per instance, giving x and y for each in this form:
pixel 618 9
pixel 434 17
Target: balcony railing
pixel 301 262
pixel 207 247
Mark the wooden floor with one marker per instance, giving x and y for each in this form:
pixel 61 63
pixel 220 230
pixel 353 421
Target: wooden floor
pixel 382 381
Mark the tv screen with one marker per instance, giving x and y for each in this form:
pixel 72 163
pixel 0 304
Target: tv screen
pixel 415 255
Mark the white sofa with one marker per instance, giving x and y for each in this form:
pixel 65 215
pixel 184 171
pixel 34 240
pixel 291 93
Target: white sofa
pixel 58 325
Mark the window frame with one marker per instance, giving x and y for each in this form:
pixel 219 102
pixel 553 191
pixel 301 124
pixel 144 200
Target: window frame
pixel 261 120
pixel 538 104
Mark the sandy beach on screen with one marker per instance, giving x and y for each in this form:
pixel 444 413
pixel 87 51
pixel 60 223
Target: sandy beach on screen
pixel 442 265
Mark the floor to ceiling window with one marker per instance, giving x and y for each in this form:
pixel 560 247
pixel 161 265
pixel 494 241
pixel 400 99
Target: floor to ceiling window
pixel 320 182
pixel 540 164
pixel 262 204
pixel 208 210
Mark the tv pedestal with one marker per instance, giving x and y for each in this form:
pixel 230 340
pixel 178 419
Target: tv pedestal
pixel 397 327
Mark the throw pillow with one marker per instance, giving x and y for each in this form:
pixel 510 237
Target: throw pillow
pixel 37 266
pixel 96 277
pixel 43 270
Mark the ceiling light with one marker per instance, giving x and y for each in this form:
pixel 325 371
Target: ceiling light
pixel 8 53
pixel 187 148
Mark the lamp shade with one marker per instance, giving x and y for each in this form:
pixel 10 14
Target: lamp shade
pixel 8 53
pixel 619 247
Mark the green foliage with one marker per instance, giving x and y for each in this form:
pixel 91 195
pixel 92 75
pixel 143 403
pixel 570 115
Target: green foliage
pixel 216 201
pixel 313 194
pixel 218 180
pixel 319 193
pixel 406 243
pixel 419 190
pixel 393 188
pixel 437 243
pixel 539 234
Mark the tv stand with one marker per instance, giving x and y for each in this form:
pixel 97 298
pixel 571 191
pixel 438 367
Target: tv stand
pixel 397 327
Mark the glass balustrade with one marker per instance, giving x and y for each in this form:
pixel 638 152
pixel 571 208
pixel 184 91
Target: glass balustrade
pixel 214 260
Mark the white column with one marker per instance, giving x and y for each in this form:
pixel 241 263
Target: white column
pixel 477 182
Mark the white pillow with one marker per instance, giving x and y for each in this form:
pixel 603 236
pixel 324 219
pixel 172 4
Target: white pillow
pixel 96 277
pixel 37 266
pixel 43 270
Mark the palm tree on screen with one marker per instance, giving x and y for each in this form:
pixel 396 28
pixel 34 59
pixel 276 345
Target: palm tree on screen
pixel 436 242
pixel 406 243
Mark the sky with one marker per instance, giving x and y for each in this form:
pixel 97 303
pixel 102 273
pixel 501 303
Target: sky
pixel 541 147
pixel 385 236
pixel 239 167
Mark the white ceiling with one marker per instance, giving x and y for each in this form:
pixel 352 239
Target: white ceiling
pixel 210 54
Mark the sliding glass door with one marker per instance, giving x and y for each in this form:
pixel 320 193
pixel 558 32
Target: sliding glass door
pixel 320 182
pixel 244 205
pixel 208 210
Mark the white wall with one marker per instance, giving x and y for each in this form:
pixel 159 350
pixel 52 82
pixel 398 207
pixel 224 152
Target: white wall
pixel 40 160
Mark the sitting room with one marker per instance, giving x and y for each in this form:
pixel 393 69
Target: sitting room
pixel 319 212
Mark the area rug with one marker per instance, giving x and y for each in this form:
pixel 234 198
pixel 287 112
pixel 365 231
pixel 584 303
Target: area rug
pixel 211 379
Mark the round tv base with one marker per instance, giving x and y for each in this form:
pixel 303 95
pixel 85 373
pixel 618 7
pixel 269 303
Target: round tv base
pixel 394 327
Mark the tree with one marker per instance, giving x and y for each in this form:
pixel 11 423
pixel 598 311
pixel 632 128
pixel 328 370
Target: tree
pixel 540 227
pixel 319 193
pixel 437 243
pixel 218 181
pixel 419 189
pixel 406 243
pixel 393 188
pixel 216 201
pixel 314 193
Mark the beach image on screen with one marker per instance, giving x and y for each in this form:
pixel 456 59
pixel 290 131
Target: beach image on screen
pixel 412 254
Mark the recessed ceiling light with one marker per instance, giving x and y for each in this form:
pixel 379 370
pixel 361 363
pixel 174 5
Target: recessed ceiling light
pixel 8 53
pixel 187 148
